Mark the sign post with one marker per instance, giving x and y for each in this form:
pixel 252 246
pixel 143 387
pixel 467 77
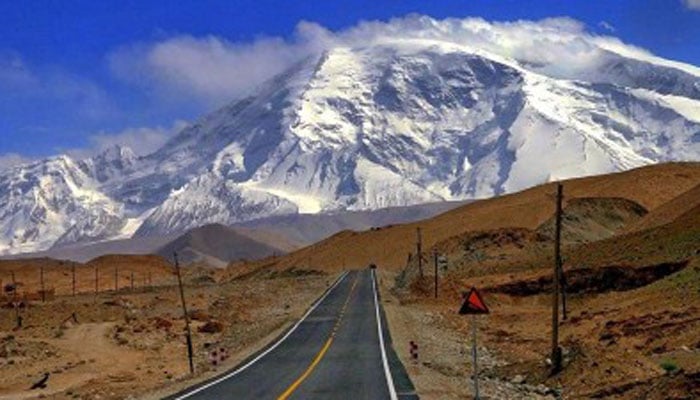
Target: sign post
pixel 474 305
pixel 475 359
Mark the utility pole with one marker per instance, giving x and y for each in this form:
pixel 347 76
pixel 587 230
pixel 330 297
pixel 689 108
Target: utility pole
pixel 556 350
pixel 435 261
pixel 560 262
pixel 419 251
pixel 43 289
pixel 187 317
pixel 562 285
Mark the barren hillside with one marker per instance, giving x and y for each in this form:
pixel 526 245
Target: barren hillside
pixel 389 246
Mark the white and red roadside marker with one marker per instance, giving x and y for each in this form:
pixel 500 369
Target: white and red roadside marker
pixel 218 356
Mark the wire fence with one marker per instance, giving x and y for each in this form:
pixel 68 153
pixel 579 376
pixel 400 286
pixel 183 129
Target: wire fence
pixel 38 283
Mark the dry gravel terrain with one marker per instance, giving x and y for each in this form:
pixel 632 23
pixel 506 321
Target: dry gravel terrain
pixel 130 344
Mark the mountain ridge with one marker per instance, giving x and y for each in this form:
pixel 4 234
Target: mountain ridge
pixel 386 124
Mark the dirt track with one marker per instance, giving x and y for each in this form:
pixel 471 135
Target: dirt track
pixel 131 343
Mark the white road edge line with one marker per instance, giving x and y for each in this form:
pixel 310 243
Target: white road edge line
pixel 264 353
pixel 385 360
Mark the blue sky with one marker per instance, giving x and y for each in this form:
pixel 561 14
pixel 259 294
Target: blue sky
pixel 73 76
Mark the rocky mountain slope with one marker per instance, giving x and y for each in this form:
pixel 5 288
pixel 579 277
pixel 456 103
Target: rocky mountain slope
pixel 394 122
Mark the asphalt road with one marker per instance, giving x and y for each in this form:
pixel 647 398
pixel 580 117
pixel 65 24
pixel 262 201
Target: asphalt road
pixel 341 349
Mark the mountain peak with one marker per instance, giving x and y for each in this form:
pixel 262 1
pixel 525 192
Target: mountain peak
pixel 386 123
pixel 113 162
pixel 117 151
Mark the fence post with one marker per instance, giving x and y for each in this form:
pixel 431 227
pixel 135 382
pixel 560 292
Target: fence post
pixel 73 272
pixel 43 289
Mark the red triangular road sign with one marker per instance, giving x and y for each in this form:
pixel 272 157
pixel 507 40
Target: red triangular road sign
pixel 473 304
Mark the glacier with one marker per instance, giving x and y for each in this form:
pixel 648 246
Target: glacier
pixel 395 122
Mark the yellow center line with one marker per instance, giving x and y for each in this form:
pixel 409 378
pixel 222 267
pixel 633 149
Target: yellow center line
pixel 324 349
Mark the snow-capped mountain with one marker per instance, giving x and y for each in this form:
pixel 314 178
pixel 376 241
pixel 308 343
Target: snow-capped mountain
pixel 42 202
pixel 389 123
pixel 113 163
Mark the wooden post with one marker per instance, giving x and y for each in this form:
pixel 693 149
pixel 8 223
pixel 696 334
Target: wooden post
pixel 556 350
pixel 15 302
pixel 562 280
pixel 435 261
pixel 184 311
pixel 41 279
pixel 560 263
pixel 419 251
pixel 562 285
pixel 73 273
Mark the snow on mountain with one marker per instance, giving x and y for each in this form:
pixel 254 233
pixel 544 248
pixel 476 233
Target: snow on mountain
pixel 392 122
pixel 114 162
pixel 407 122
pixel 43 202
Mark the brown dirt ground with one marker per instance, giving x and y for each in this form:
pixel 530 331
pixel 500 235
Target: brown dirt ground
pixel 669 211
pixel 636 338
pixel 131 343
pixel 612 339
pixel 617 342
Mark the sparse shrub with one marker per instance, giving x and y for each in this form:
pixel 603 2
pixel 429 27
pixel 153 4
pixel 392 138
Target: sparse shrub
pixel 669 366
pixel 211 327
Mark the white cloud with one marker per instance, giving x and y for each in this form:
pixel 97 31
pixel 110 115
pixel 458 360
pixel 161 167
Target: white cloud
pixel 692 4
pixel 9 160
pixel 210 68
pixel 617 46
pixel 14 73
pixel 214 70
pixel 142 140
pixel 607 26
pixel 21 81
